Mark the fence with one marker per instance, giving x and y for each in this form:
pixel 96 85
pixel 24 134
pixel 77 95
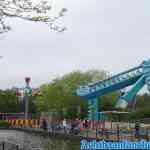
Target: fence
pixel 108 131
pixel 8 146
pixel 34 123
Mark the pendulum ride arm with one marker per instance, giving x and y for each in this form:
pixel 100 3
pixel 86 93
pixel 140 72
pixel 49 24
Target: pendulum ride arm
pixel 129 96
pixel 136 77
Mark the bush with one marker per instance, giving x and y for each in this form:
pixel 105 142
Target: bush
pixel 4 123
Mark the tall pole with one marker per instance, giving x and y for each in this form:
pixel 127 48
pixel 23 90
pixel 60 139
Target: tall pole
pixel 26 98
pixel 26 105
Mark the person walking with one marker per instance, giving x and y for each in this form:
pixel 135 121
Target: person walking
pixel 137 130
pixel 72 126
pixel 64 123
pixel 44 125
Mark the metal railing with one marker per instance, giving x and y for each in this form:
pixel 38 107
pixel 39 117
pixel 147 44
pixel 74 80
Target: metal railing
pixel 9 146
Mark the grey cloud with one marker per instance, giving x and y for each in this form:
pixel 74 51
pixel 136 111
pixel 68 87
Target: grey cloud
pixel 102 34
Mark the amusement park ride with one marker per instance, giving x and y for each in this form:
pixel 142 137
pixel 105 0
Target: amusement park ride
pixel 27 91
pixel 136 77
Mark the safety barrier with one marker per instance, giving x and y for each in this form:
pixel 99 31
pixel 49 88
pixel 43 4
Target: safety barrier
pixel 34 123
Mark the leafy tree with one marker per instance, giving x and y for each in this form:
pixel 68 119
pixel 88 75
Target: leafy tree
pixel 8 101
pixel 29 10
pixel 32 105
pixel 142 107
pixel 60 94
pixel 108 101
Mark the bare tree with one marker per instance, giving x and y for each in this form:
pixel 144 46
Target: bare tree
pixel 29 10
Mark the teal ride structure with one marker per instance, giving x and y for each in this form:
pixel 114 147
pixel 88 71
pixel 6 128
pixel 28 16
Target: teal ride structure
pixel 136 77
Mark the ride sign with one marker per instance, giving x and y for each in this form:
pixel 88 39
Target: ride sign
pixel 28 91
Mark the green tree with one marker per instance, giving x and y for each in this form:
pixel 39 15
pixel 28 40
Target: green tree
pixel 9 101
pixel 60 94
pixel 142 109
pixel 107 102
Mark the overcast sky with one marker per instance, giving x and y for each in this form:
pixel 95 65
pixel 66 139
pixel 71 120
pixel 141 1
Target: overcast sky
pixel 112 35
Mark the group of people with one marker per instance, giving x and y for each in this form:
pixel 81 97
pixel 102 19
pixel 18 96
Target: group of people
pixel 71 126
pixel 75 126
pixel 65 125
